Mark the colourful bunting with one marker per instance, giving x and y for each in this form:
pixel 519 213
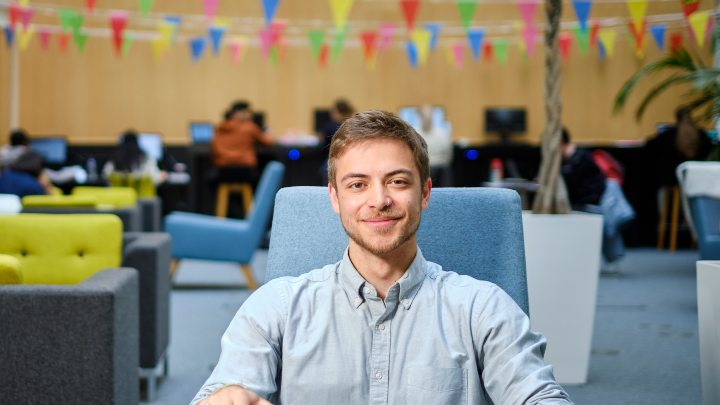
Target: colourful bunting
pixel 44 38
pixel 216 34
pixel 607 39
pixel 118 22
pixel 565 43
pixel 324 54
pixel 197 47
pixel 582 39
pixel 267 40
pixel 80 39
pixel 89 6
pixel 458 52
pixel 475 37
pixel 340 11
pixel 237 48
pixel 487 51
pixel 527 10
pixel 638 33
pixel 500 45
pixel 387 31
pixel 26 15
pixel 210 8
pixel 167 31
pixel 690 6
pixel 63 40
pixel 14 14
pixel 126 45
pixel 65 14
pixel 410 9
pixel 594 30
pixel 601 51
pixel 145 6
pixel 658 33
pixel 699 22
pixel 158 48
pixel 637 10
pixel 316 37
pixel 9 35
pixel 421 39
pixel 530 34
pixel 337 43
pixel 582 11
pixel 269 7
pixel 434 30
pixel 24 3
pixel 466 9
pixel 369 41
pixel 412 54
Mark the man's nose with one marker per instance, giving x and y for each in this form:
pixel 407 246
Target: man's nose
pixel 380 198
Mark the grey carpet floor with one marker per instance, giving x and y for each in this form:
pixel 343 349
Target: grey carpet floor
pixel 645 343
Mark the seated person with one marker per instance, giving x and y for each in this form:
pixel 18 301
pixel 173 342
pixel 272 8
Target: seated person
pixel 440 147
pixel 130 161
pixel 24 176
pixel 233 146
pixel 19 144
pixel 351 331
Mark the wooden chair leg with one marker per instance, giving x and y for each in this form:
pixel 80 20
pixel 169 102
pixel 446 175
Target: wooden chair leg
pixel 247 199
pixel 249 277
pixel 173 268
pixel 662 223
pixel 221 205
pixel 675 218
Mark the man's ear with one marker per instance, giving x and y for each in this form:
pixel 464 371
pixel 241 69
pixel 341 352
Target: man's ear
pixel 333 198
pixel 426 192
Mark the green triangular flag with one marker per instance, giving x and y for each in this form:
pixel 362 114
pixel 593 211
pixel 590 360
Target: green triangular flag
pixel 127 41
pixel 466 9
pixel 500 50
pixel 80 40
pixel 145 6
pixel 274 56
pixel 317 37
pixel 66 15
pixel 338 42
pixel 76 22
pixel 582 38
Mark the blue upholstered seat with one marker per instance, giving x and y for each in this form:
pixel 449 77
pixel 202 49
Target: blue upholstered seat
pixel 473 231
pixel 196 236
pixel 706 215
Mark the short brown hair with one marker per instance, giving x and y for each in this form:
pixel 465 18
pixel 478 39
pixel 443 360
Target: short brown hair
pixel 375 124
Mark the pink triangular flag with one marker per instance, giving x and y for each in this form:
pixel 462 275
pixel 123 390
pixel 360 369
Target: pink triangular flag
pixel 210 8
pixel 44 38
pixel 387 31
pixel 235 50
pixel 458 50
pixel 26 15
pixel 529 34
pixel 266 40
pixel 527 10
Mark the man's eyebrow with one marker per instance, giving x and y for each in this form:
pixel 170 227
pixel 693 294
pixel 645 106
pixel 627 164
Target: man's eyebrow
pixel 399 171
pixel 353 176
pixel 365 176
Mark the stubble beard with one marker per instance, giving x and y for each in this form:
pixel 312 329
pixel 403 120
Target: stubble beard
pixel 407 232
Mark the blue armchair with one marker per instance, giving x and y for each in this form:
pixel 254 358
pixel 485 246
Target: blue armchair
pixel 473 231
pixel 196 236
pixel 700 183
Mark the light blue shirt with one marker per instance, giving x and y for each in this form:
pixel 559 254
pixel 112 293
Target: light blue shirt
pixel 326 337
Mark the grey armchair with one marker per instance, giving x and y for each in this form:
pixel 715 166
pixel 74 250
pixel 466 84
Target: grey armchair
pixel 71 344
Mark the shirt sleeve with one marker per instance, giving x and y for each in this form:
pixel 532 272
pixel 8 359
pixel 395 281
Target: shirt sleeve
pixel 511 355
pixel 251 345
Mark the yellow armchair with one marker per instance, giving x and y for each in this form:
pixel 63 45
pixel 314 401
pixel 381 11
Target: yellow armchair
pixel 118 197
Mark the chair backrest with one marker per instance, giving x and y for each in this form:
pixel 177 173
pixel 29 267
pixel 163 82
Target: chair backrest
pixel 61 249
pixel 117 197
pixel 270 181
pixel 473 231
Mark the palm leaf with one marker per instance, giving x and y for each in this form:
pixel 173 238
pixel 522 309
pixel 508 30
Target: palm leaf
pixel 660 88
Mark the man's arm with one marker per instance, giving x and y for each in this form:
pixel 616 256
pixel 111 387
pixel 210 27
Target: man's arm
pixel 251 347
pixel 511 355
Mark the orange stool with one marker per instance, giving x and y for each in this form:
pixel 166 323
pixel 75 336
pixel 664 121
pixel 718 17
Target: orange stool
pixel 669 201
pixel 223 194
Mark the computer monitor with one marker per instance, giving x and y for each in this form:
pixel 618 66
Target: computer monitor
pixel 52 148
pixel 411 115
pixel 505 121
pixel 151 143
pixel 259 119
pixel 321 119
pixel 201 132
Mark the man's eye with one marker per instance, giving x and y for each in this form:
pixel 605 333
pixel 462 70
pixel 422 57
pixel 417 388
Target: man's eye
pixel 399 181
pixel 356 186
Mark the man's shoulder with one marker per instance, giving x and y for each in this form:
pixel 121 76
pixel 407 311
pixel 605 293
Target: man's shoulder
pixel 315 276
pixel 455 282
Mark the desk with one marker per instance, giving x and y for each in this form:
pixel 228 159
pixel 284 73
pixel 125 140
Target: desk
pixel 525 188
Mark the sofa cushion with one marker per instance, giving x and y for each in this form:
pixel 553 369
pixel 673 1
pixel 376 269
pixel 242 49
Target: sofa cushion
pixel 10 270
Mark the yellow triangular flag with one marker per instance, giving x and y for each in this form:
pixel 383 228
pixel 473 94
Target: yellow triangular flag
pixel 167 30
pixel 158 48
pixel 637 10
pixel 25 36
pixel 699 22
pixel 222 22
pixel 24 3
pixel 607 38
pixel 450 54
pixel 340 11
pixel 421 38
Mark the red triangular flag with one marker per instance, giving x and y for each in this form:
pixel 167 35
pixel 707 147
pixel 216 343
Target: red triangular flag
pixel 118 22
pixel 369 38
pixel 324 53
pixel 90 5
pixel 44 38
pixel 565 42
pixel 638 33
pixel 410 8
pixel 690 7
pixel 14 14
pixel 488 51
pixel 63 39
pixel 675 41
pixel 594 31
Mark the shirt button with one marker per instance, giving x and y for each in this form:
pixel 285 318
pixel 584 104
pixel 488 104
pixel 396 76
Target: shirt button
pixel 358 301
pixel 367 291
pixel 381 326
pixel 378 375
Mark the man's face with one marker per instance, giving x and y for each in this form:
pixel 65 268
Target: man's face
pixel 379 195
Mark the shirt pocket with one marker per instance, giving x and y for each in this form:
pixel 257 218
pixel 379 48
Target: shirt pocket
pixel 436 385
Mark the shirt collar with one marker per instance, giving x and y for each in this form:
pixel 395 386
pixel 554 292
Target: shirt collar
pixel 352 282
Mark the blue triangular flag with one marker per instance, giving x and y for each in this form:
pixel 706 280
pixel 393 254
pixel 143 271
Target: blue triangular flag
pixel 412 54
pixel 270 6
pixel 434 29
pixel 602 54
pixel 216 35
pixel 9 35
pixel 476 36
pixel 658 33
pixel 582 11
pixel 174 19
pixel 197 46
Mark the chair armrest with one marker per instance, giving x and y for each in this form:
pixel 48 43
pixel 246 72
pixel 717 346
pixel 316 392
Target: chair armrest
pixel 149 253
pixel 75 342
pixel 151 209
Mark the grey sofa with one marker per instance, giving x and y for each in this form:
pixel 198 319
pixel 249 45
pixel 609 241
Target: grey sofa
pixel 71 344
pixel 131 217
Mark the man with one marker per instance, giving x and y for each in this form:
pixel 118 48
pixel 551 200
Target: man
pixel 382 326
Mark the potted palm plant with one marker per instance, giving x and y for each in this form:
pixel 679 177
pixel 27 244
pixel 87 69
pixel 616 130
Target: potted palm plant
pixel 562 251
